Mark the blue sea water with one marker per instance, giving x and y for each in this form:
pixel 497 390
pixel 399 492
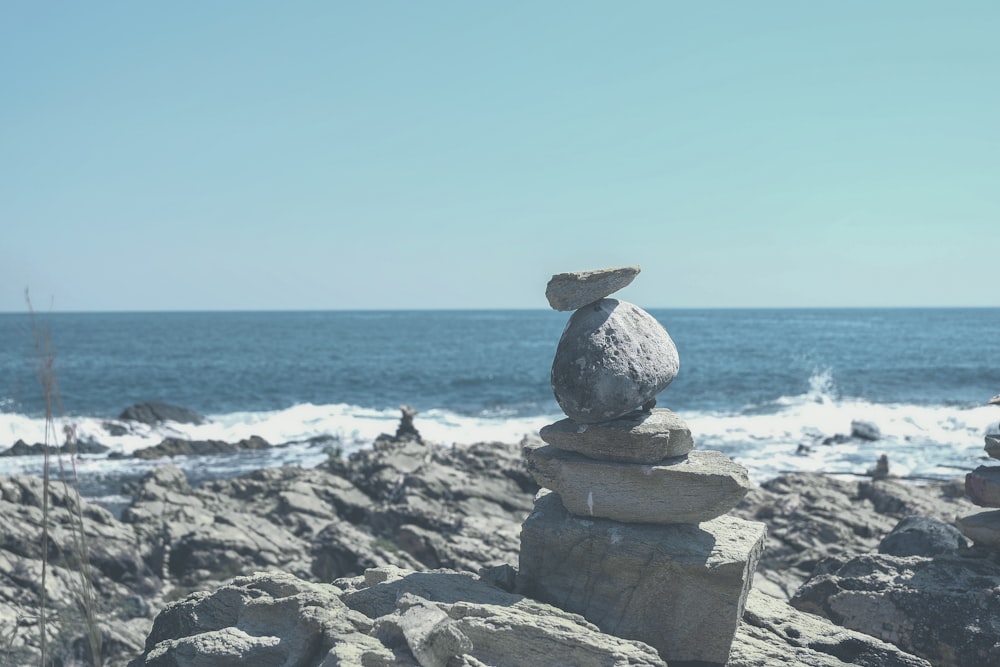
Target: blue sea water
pixel 753 383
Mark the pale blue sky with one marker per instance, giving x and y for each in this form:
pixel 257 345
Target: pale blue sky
pixel 250 155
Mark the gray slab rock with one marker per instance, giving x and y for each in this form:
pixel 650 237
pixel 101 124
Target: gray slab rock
pixel 680 588
pixel 613 357
pixel 982 485
pixel 945 609
pixel 686 489
pixel 432 637
pixel 637 437
pixel 982 528
pixel 265 619
pixel 575 289
pixel 774 633
pixel 506 629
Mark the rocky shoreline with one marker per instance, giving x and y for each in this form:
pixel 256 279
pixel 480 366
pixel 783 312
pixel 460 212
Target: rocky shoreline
pixel 439 522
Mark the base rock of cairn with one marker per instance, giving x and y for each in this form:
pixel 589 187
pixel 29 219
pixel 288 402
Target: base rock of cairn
pixel 982 485
pixel 629 530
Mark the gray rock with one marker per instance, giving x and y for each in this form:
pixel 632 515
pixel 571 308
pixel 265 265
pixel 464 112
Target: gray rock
pixel 945 609
pixel 921 536
pixel 264 619
pixel 865 430
pixel 774 633
pixel 686 489
pixel 637 437
pixel 982 528
pixel 995 400
pixel 569 291
pixel 506 629
pixel 432 637
pixel 982 485
pixel 679 588
pixel 155 412
pixel 993 446
pixel 613 357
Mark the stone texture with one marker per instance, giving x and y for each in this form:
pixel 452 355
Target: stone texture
pixel 505 629
pixel 993 446
pixel 865 430
pixel 945 609
pixel 679 588
pixel 982 485
pixel 687 489
pixel 773 633
pixel 982 528
pixel 921 536
pixel 637 437
pixel 569 291
pixel 431 636
pixel 613 357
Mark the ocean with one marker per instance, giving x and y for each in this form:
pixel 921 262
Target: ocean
pixel 766 387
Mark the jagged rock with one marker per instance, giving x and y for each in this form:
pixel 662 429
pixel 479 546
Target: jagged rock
pixel 921 536
pixel 182 447
pixel 21 448
pixel 637 437
pixel 773 633
pixel 263 619
pixel 569 291
pixel 342 550
pixel 612 358
pixel 982 485
pixel 505 629
pixel 432 637
pixel 154 412
pixel 945 609
pixel 687 489
pixel 865 430
pixel 680 588
pixel 811 517
pixel 993 446
pixel 982 528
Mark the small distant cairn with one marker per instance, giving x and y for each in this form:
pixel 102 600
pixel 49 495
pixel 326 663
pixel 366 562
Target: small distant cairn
pixel 629 530
pixel 982 485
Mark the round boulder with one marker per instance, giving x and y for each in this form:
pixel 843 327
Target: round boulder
pixel 613 358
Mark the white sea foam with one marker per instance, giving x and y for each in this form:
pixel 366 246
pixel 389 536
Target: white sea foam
pixel 936 440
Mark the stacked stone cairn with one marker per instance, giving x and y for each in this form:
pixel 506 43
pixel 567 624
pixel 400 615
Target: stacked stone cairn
pixel 630 530
pixel 982 485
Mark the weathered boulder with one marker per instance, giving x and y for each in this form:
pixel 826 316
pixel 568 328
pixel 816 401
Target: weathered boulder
pixel 505 629
pixel 773 633
pixel 982 485
pixel 679 588
pixel 982 528
pixel 155 412
pixel 921 536
pixel 637 437
pixel 569 291
pixel 686 489
pixel 945 609
pixel 613 357
pixel 263 619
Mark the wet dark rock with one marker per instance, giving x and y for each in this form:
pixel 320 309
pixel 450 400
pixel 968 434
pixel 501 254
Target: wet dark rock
pixel 181 447
pixel 21 448
pixel 865 430
pixel 922 536
pixel 155 412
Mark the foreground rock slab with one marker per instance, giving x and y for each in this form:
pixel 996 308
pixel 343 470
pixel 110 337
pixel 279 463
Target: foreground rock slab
pixel 575 289
pixel 982 528
pixel 687 489
pixel 613 357
pixel 679 588
pixel 637 437
pixel 945 609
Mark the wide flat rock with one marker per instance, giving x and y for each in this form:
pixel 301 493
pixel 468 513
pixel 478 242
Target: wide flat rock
pixel 982 485
pixel 613 357
pixel 686 489
pixel 680 589
pixel 638 437
pixel 575 289
pixel 982 528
